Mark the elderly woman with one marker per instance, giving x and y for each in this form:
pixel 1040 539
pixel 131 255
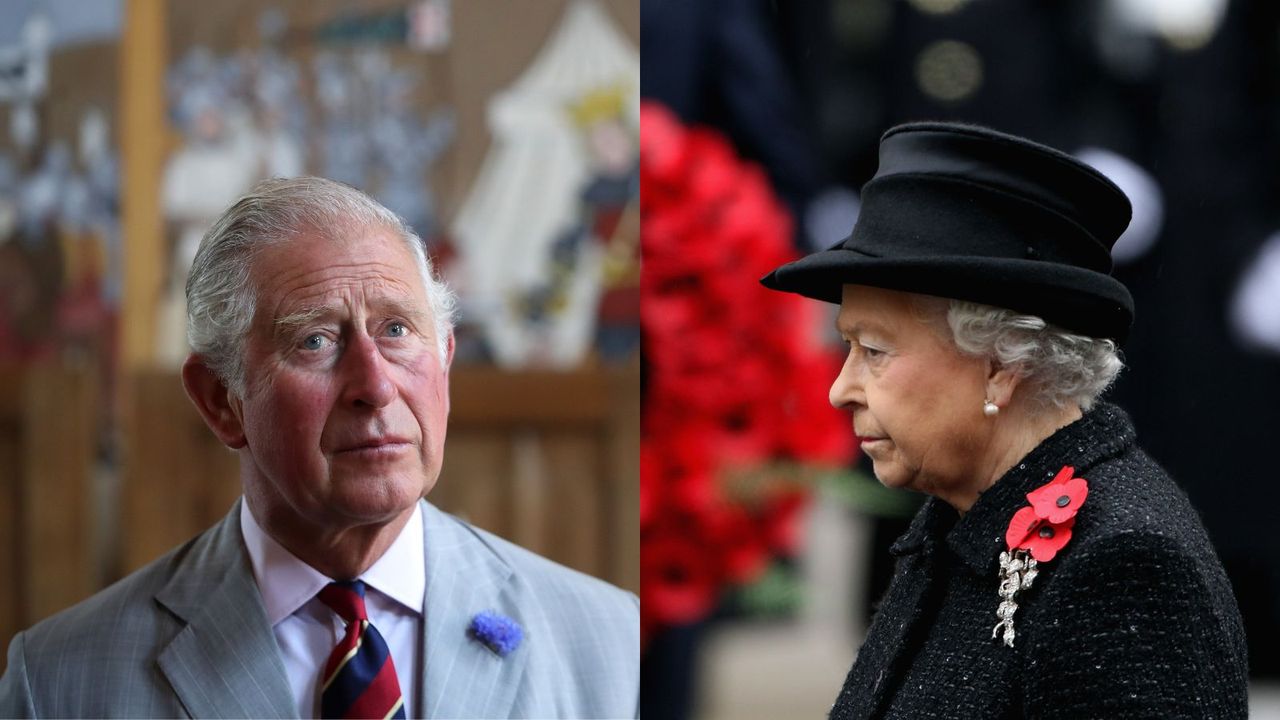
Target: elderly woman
pixel 1056 571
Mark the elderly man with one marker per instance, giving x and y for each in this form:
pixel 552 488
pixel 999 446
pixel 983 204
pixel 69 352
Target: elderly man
pixel 321 349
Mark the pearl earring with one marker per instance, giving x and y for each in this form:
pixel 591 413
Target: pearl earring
pixel 990 409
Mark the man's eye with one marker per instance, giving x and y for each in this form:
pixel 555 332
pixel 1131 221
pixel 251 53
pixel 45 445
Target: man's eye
pixel 397 330
pixel 314 341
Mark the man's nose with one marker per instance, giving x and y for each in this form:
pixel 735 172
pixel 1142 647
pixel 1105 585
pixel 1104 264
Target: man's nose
pixel 367 381
pixel 846 389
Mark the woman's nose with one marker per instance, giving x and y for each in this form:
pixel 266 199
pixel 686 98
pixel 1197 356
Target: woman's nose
pixel 847 388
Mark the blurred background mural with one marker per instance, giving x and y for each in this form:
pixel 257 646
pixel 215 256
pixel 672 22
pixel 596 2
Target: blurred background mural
pixel 505 134
pixel 1178 101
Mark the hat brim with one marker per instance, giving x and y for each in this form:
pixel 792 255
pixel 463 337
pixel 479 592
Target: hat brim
pixel 1076 299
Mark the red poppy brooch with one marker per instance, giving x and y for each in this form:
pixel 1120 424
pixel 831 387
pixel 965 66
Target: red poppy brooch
pixel 1035 535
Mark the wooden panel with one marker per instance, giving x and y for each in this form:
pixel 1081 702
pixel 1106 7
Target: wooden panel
pixel 58 465
pixel 575 489
pixel 490 396
pixel 153 517
pixel 622 489
pixel 47 441
pixel 10 500
pixel 142 148
pixel 463 488
pixel 178 478
pixel 527 478
pixel 573 478
pixel 221 472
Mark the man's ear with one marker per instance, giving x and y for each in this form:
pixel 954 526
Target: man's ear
pixel 219 408
pixel 448 363
pixel 1002 381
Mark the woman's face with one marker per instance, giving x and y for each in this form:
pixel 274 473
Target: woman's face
pixel 916 401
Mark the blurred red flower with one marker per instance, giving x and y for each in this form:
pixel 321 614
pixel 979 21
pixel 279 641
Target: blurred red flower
pixel 735 378
pixel 782 522
pixel 680 582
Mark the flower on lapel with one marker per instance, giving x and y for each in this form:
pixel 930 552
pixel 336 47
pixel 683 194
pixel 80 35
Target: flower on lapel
pixel 1047 539
pixel 1021 527
pixel 1035 535
pixel 1058 501
pixel 497 632
pixel 1044 527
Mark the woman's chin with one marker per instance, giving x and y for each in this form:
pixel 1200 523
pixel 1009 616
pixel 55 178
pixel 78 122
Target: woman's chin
pixel 889 474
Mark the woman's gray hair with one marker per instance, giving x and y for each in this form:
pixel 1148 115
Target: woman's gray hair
pixel 1065 368
pixel 220 295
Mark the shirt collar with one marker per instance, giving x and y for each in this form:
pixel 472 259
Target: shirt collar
pixel 978 537
pixel 400 573
pixel 287 583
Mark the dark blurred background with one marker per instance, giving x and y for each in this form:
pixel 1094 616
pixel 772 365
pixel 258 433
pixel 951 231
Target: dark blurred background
pixel 1175 100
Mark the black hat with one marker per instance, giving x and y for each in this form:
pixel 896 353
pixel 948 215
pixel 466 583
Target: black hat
pixel 968 213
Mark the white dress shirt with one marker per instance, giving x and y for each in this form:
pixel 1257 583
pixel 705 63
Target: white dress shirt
pixel 307 630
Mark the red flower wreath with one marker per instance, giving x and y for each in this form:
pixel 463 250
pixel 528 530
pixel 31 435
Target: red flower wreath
pixel 735 379
pixel 1044 527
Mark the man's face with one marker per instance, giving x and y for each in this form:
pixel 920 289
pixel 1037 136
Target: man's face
pixel 346 395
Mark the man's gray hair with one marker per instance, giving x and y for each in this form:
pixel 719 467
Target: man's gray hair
pixel 1065 368
pixel 220 295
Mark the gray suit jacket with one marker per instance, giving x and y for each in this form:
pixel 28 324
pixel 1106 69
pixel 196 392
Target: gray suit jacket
pixel 188 636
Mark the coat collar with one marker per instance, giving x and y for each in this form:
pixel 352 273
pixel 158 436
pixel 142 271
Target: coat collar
pixel 978 537
pixel 225 662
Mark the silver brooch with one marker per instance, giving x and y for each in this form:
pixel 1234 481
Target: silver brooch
pixel 1017 572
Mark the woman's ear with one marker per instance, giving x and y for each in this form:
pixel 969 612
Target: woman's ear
pixel 1002 381
pixel 220 409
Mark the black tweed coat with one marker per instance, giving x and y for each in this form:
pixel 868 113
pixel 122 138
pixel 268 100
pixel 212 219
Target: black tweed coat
pixel 1134 618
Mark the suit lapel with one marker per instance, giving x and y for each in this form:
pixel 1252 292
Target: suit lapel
pixel 224 662
pixel 463 677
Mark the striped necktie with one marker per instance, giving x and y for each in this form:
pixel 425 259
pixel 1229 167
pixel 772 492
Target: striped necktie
pixel 359 680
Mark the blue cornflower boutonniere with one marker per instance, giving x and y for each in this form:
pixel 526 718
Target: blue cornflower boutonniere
pixel 498 632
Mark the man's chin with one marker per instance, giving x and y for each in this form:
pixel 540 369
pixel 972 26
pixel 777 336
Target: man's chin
pixel 374 499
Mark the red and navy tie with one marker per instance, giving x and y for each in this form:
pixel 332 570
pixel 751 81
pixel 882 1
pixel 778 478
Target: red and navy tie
pixel 359 680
